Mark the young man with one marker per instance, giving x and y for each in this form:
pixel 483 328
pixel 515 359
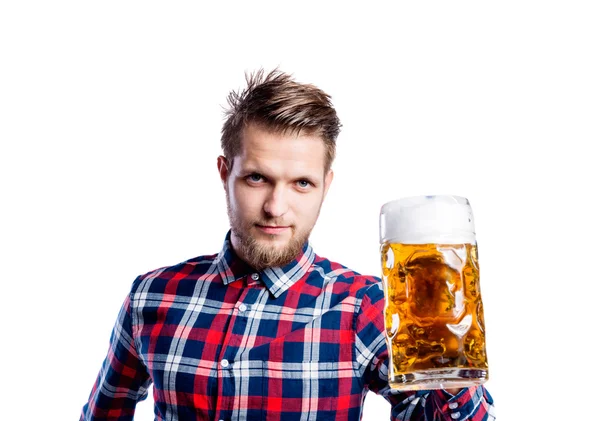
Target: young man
pixel 265 329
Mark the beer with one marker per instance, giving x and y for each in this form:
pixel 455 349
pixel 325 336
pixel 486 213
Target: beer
pixel 434 312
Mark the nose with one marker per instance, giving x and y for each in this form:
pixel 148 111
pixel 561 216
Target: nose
pixel 276 204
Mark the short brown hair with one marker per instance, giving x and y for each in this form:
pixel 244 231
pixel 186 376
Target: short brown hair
pixel 279 103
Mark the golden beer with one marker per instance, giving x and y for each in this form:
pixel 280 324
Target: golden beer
pixel 434 312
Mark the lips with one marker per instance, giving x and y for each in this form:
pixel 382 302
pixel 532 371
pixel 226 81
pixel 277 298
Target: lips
pixel 272 229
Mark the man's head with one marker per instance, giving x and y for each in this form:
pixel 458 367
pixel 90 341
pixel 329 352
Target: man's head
pixel 279 143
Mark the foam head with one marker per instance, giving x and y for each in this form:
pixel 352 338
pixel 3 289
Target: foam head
pixel 439 219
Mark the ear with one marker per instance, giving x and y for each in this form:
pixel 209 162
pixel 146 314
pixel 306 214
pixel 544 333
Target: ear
pixel 223 167
pixel 327 182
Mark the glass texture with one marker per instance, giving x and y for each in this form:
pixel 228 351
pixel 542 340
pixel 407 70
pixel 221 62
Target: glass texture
pixel 434 311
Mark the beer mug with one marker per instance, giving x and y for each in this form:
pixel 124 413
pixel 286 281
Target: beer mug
pixel 434 313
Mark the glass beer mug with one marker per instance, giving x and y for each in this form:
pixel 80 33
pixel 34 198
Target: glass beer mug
pixel 434 313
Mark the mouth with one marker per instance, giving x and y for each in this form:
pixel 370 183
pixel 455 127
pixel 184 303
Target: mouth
pixel 272 229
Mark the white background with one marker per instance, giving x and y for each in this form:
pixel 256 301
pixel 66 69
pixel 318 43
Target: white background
pixel 110 116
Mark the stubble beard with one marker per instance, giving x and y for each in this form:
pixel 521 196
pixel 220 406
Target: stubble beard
pixel 261 256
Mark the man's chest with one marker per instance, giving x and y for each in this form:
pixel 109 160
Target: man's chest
pixel 225 347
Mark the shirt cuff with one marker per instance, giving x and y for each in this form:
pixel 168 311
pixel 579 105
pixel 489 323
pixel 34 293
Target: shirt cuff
pixel 461 406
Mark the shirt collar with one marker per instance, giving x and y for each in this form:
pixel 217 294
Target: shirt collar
pixel 276 279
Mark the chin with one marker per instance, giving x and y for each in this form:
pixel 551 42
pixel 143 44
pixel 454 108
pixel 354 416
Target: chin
pixel 273 241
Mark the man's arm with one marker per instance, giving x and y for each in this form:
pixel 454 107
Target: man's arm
pixel 123 379
pixel 473 404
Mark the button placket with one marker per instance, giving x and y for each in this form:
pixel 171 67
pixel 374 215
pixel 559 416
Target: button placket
pixel 227 361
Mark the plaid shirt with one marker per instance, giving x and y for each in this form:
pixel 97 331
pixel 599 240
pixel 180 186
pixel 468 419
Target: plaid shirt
pixel 221 341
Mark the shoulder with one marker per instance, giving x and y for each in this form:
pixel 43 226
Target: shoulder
pixel 357 284
pixel 159 280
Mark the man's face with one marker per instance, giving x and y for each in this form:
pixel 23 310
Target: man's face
pixel 274 190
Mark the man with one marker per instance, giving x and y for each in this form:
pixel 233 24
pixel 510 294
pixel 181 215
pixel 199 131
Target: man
pixel 265 329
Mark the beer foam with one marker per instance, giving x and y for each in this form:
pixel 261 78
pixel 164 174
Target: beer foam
pixel 441 219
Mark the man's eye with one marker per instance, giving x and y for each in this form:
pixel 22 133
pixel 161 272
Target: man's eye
pixel 304 184
pixel 255 178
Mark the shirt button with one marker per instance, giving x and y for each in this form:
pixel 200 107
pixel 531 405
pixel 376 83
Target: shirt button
pixel 224 363
pixel 453 405
pixel 243 307
pixel 255 276
pixel 455 415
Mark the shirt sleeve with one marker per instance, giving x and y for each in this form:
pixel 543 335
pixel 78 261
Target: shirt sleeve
pixel 474 403
pixel 123 379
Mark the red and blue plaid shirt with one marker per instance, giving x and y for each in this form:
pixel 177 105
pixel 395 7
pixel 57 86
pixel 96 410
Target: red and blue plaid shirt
pixel 222 341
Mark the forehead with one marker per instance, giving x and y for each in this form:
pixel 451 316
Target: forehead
pixel 287 152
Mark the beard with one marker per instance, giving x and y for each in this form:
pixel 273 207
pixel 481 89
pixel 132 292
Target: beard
pixel 261 256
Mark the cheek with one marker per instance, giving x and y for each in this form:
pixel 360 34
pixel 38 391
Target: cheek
pixel 308 208
pixel 245 202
